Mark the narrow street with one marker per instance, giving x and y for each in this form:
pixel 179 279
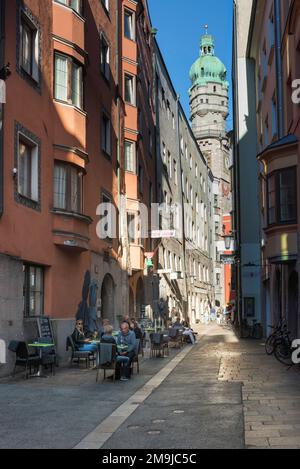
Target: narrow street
pixel 222 393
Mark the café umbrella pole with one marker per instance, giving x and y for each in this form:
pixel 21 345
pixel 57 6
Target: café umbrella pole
pixel 83 310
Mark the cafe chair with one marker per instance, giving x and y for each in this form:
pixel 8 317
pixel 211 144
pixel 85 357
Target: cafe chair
pixel 23 357
pixel 158 345
pixel 107 360
pixel 78 356
pixel 136 356
pixel 175 337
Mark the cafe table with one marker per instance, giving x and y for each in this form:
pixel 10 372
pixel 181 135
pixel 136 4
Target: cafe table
pixel 40 347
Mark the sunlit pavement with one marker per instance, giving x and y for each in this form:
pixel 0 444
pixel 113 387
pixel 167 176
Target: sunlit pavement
pixel 221 393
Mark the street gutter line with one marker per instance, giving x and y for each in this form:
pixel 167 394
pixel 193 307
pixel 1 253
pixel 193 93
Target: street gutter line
pixel 98 437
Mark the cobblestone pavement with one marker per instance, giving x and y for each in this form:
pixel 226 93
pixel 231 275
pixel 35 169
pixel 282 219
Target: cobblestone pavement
pixel 221 393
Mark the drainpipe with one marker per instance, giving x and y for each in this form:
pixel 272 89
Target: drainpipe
pixel 239 302
pixel 2 62
pixel 279 71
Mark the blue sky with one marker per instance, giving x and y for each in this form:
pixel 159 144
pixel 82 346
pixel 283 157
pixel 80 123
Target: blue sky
pixel 180 25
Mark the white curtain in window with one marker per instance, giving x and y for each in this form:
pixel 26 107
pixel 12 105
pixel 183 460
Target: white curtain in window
pixel 60 187
pixel 128 25
pixel 27 48
pixel 77 85
pixel 24 173
pixel 61 78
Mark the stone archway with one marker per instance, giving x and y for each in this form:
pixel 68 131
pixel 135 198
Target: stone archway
pixel 108 299
pixel 292 315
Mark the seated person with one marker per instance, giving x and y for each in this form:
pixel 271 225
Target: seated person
pixel 82 344
pixel 105 322
pixel 136 329
pixel 177 324
pixel 122 360
pixel 188 332
pixel 127 338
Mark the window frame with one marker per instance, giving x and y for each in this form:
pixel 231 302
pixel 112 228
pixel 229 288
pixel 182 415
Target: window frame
pixel 131 13
pixel 27 290
pixel 71 65
pixel 278 197
pixel 68 190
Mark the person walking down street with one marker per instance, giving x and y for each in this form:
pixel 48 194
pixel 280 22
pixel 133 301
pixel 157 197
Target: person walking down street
pixel 213 313
pixel 126 342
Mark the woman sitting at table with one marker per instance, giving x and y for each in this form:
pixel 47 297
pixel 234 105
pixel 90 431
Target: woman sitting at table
pixel 122 361
pixel 82 344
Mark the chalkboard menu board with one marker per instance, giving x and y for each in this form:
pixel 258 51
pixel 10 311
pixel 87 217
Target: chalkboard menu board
pixel 45 328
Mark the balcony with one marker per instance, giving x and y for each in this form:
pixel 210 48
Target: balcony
pixel 71 230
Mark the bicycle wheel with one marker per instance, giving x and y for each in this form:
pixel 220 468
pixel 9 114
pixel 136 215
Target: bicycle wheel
pixel 245 332
pixel 270 344
pixel 283 352
pixel 257 331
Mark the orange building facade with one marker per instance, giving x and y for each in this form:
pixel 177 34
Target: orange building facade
pixel 62 157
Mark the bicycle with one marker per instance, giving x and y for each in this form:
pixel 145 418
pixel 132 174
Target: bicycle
pixel 251 332
pixel 283 348
pixel 276 334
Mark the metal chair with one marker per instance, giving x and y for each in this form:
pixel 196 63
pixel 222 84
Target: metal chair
pixel 158 345
pixel 138 350
pixel 107 360
pixel 78 355
pixel 23 357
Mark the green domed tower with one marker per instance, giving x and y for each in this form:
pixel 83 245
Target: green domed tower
pixel 209 111
pixel 209 92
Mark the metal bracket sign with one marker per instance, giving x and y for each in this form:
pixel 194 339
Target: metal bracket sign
pixel 228 260
pixel 166 234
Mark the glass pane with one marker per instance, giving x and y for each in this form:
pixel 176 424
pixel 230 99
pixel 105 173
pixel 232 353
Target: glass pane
pixel 77 85
pixel 129 97
pixel 24 175
pixel 128 25
pixel 60 187
pixel 75 192
pixel 288 205
pixel 27 48
pixel 61 78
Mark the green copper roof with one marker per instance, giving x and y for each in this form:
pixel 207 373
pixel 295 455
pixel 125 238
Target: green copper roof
pixel 208 68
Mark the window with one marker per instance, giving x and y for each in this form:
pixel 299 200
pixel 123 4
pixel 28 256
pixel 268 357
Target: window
pixel 104 57
pixel 274 116
pixel 68 81
pixel 130 156
pixel 282 197
pixel 175 172
pixel 141 179
pixel 106 134
pixel 130 89
pixel 28 172
pixel 131 228
pixel 33 291
pixel 29 48
pixel 67 190
pixel 164 153
pixel 76 5
pixel 129 29
pixel 108 215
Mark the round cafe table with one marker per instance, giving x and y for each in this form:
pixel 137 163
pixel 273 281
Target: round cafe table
pixel 40 348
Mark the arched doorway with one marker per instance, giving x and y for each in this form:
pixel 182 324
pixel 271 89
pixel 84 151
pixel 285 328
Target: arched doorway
pixel 131 303
pixel 108 299
pixel 293 304
pixel 140 297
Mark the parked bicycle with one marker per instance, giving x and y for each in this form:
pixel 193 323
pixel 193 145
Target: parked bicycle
pixel 254 331
pixel 275 336
pixel 279 343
